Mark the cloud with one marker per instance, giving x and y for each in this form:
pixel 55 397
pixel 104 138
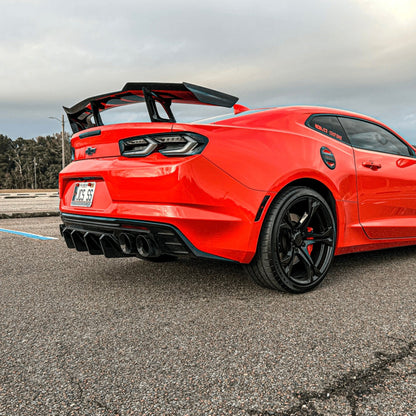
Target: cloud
pixel 354 54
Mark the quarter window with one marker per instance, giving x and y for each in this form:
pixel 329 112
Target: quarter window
pixel 373 137
pixel 328 125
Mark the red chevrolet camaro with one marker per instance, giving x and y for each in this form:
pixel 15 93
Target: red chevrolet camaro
pixel 280 190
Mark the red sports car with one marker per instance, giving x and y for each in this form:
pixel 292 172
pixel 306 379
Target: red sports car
pixel 280 190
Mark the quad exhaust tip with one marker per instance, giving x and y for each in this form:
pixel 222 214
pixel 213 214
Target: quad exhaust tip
pixel 143 245
pixel 146 246
pixel 127 243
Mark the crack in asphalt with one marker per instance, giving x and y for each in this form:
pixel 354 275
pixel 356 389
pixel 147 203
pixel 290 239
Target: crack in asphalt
pixel 353 385
pixel 82 400
pixel 79 391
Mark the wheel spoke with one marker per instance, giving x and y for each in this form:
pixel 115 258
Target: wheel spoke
pixel 287 220
pixel 285 260
pixel 289 267
pixel 285 226
pixel 325 237
pixel 313 206
pixel 288 261
pixel 307 261
pixel 326 241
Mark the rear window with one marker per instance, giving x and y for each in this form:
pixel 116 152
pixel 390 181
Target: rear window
pixel 184 113
pixel 227 116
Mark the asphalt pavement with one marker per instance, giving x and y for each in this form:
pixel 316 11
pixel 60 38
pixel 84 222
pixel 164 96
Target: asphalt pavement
pixel 86 335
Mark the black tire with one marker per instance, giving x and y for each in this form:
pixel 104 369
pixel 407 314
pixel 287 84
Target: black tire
pixel 297 242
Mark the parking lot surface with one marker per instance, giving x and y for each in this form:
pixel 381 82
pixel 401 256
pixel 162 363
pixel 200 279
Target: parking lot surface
pixel 86 335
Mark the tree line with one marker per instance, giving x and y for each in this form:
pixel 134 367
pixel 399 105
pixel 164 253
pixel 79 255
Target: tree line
pixel 32 163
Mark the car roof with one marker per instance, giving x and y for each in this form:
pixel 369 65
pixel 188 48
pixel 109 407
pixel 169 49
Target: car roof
pixel 255 115
pixel 305 109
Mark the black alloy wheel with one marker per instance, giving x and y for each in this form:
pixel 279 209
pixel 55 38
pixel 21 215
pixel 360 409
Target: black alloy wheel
pixel 297 242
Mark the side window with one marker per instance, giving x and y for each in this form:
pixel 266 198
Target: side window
pixel 372 137
pixel 328 125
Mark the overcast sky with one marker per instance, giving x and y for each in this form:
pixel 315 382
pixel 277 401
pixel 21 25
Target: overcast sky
pixel 352 54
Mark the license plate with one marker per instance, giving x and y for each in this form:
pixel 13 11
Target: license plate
pixel 83 194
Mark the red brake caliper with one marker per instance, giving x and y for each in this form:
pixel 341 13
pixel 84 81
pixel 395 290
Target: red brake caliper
pixel 310 247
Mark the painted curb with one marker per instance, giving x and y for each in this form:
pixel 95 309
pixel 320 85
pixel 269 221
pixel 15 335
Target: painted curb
pixel 29 215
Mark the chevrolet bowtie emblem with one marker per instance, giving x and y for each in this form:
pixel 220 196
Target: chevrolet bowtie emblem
pixel 90 151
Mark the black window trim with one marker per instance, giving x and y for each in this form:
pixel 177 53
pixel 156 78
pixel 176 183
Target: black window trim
pixel 412 152
pixel 308 123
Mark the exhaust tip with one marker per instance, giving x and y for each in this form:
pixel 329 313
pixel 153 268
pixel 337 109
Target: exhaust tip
pixel 146 247
pixel 126 242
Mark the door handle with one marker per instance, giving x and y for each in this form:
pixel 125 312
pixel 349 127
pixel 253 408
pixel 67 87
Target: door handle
pixel 372 165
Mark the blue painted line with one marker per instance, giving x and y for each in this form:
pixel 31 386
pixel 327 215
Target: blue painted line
pixel 35 236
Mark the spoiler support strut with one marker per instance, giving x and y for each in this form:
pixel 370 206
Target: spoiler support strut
pixel 166 103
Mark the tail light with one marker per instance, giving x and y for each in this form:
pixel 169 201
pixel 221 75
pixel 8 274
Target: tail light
pixel 168 144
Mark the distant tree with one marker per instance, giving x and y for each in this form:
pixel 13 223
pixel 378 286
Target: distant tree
pixel 21 158
pixel 6 164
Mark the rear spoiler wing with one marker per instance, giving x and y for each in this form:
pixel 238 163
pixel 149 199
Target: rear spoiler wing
pixel 86 113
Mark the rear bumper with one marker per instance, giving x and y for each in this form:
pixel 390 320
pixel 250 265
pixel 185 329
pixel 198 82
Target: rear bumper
pixel 208 212
pixel 103 236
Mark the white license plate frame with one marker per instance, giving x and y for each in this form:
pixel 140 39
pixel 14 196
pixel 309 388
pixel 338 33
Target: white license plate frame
pixel 83 194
